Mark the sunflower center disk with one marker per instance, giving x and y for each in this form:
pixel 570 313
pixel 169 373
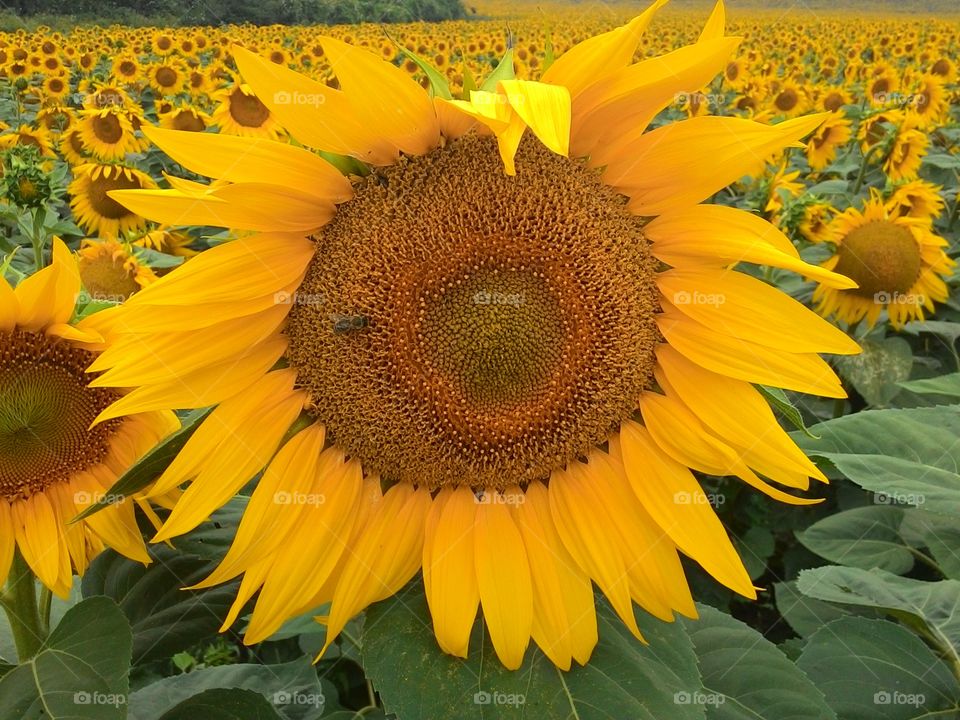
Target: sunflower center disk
pixel 45 411
pixel 882 257
pixel 105 205
pixel 462 327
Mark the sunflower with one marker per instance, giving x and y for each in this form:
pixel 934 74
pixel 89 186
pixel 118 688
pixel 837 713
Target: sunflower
pixel 917 199
pixel 789 100
pixel 168 77
pixel 815 225
pixel 52 464
pixel 126 68
pixel 26 135
pixel 109 271
pixel 240 112
pixel 184 118
pixel 909 146
pixel 897 261
pixel 108 134
pixel 486 371
pixel 56 87
pixel 829 137
pixel 95 211
pixel 72 148
pixel 167 241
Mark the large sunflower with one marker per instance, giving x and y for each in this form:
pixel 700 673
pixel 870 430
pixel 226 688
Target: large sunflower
pixel 52 464
pixel 897 260
pixel 482 360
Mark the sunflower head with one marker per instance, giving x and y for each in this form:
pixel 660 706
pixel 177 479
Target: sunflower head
pixel 503 345
pixel 109 271
pixel 26 178
pixel 53 463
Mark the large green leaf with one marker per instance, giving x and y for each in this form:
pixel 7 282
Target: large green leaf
pixel 80 672
pixel 909 456
pixel 877 371
pixel 931 607
pixel 223 705
pixel 878 670
pixel 293 689
pixel 865 537
pixel 165 618
pixel 943 385
pixel 805 614
pixel 624 679
pixel 745 676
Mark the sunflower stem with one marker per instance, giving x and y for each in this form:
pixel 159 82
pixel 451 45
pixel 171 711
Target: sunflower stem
pixel 839 407
pixel 19 601
pixel 46 605
pixel 863 167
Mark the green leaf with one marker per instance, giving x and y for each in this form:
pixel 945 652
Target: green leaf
pixel 878 370
pixel 948 330
pixel 157 260
pixel 150 466
pixel 747 676
pixel 805 614
pixel 439 87
pixel 755 547
pixel 292 688
pixel 80 672
pixel 865 537
pixel 944 161
pixel 778 398
pixel 165 618
pixel 906 456
pixel 469 82
pixel 943 385
pixel 503 71
pixel 932 607
pixel 624 679
pixel 548 53
pixel 873 669
pixel 223 705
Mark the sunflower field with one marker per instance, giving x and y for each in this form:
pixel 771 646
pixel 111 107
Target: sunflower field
pixel 564 362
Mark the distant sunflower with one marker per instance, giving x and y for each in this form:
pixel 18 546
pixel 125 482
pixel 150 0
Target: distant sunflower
pixel 26 135
pixel 56 87
pixel 52 463
pixel 917 199
pixel 71 147
pixel 97 212
pixel 240 112
pixel 168 77
pixel 185 118
pixel 909 146
pixel 897 261
pixel 828 138
pixel 110 271
pixel 126 68
pixel 496 379
pixel 108 134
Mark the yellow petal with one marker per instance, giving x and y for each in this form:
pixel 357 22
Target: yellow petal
pixel 252 160
pixel 386 99
pixel 745 360
pixel 9 306
pixel 270 512
pixel 582 523
pixel 672 496
pixel 503 578
pixel 717 235
pixel 545 109
pixel 715 23
pixel 735 146
pixel 387 554
pixel 314 113
pixel 48 297
pixel 564 617
pixel 7 541
pixel 38 535
pixel 453 593
pixel 592 59
pixel 453 121
pixel 745 307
